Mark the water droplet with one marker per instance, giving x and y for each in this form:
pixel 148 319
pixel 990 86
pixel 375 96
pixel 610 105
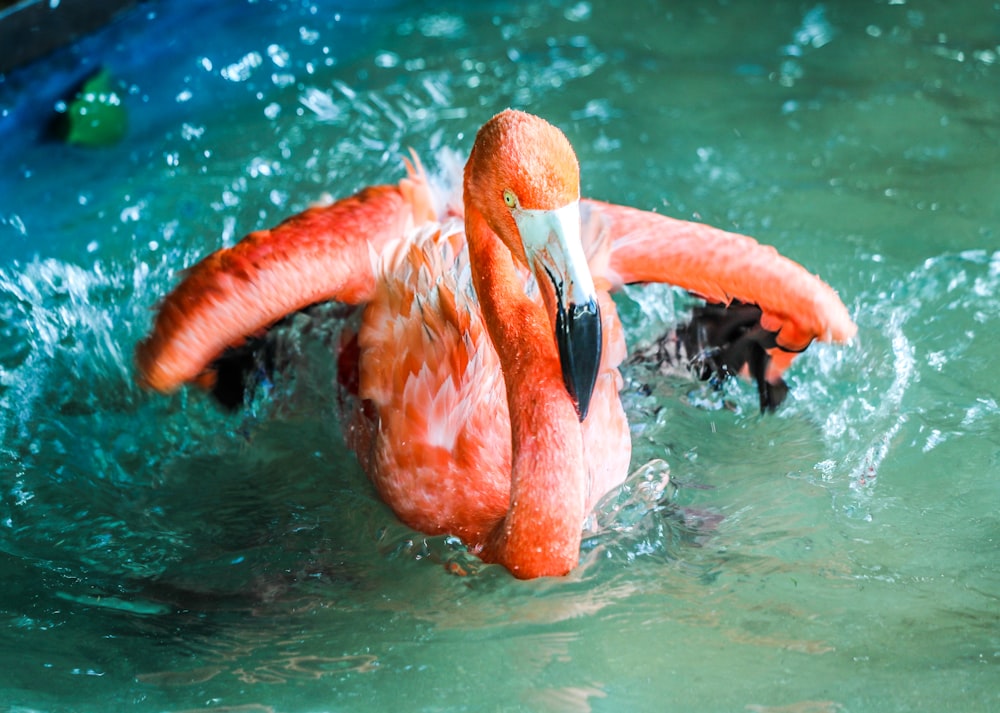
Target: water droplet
pixel 241 70
pixel 14 221
pixel 189 131
pixel 320 103
pixel 308 37
pixel 442 25
pixel 261 167
pixel 985 56
pixel 386 60
pixel 279 55
pixel 578 13
pixel 131 213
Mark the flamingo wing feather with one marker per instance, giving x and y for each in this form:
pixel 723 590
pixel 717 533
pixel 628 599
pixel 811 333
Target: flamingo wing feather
pixel 323 253
pixel 723 267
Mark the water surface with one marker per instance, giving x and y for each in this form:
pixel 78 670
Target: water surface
pixel 840 555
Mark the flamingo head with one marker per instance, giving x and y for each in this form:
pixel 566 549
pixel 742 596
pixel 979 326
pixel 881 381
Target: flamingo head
pixel 524 178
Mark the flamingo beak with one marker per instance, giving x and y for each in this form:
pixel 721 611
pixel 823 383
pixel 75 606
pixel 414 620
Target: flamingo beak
pixel 553 247
pixel 578 336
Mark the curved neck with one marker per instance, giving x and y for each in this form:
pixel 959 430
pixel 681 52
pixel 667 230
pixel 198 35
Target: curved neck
pixel 540 535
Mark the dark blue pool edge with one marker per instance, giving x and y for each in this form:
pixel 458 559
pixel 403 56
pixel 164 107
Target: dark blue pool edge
pixel 31 29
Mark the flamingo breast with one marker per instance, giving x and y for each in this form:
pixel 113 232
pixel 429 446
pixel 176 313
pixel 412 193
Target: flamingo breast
pixel 441 448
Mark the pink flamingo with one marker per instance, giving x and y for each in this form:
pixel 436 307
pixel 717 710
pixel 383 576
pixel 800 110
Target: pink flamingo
pixel 487 359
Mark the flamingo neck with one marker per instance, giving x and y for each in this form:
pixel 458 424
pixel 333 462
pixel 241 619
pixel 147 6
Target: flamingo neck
pixel 540 534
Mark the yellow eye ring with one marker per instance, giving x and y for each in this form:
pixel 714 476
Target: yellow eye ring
pixel 509 198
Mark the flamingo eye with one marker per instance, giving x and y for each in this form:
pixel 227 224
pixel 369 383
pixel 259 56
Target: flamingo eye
pixel 509 198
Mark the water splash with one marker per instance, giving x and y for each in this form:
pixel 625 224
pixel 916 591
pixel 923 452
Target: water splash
pixel 815 32
pixel 83 450
pixel 866 397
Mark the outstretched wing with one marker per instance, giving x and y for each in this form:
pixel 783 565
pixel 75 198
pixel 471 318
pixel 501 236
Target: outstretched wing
pixel 323 253
pixel 792 306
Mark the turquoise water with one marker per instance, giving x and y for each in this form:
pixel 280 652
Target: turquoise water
pixel 838 556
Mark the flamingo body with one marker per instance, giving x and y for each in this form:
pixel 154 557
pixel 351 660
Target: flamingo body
pixel 488 354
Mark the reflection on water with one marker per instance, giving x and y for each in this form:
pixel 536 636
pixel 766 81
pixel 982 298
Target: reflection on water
pixel 839 555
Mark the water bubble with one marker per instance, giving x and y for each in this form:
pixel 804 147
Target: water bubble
pixel 241 70
pixel 229 229
pixel 320 103
pixel 441 25
pixel 935 439
pixel 985 56
pixel 308 37
pixel 595 109
pixel 132 213
pixel 14 221
pixel 386 60
pixel 937 360
pixel 604 144
pixel 279 55
pixel 190 131
pixel 262 167
pixel 578 13
pixel 815 31
pixel 230 199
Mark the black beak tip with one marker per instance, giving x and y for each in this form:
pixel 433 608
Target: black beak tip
pixel 578 335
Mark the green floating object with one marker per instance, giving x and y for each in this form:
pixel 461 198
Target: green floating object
pixel 96 115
